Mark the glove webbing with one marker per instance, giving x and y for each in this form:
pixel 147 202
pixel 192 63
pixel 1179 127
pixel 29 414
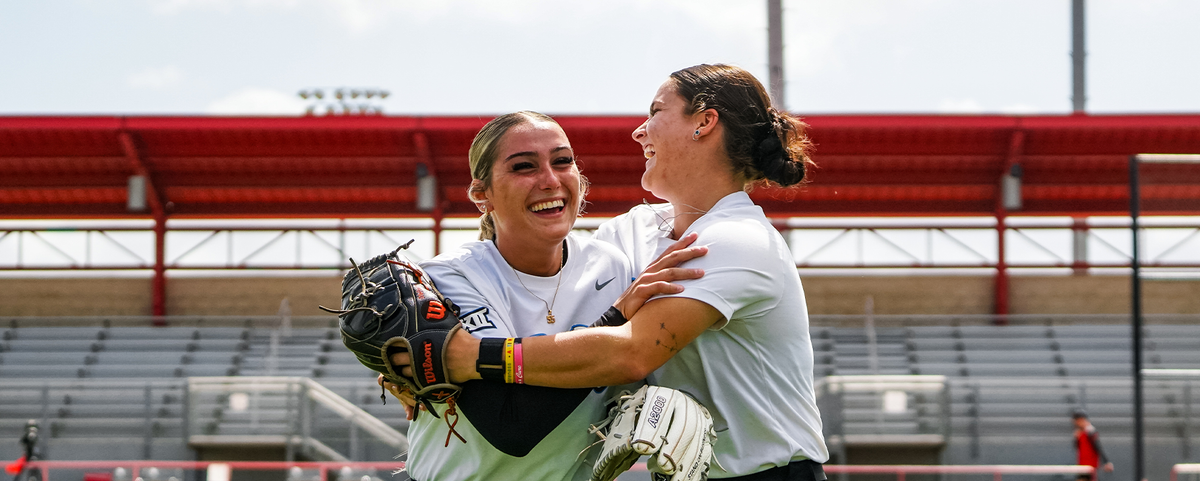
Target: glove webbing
pixel 368 289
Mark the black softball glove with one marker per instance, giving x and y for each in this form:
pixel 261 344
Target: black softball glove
pixel 390 305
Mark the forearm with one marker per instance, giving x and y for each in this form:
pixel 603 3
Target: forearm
pixel 603 356
pixel 592 357
pixel 599 356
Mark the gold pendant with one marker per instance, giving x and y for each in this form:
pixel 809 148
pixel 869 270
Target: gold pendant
pixel 550 317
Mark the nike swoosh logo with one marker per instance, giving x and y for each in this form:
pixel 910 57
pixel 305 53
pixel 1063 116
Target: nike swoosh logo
pixel 601 286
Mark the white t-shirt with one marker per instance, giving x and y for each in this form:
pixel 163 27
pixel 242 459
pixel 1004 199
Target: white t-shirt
pixel 754 371
pixel 493 303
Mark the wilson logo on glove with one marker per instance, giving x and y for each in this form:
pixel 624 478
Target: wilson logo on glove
pixel 435 311
pixel 427 366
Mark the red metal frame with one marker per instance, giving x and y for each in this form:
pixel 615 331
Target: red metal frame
pixel 364 166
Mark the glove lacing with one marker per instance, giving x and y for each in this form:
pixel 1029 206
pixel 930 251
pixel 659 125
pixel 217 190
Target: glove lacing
pixel 359 303
pixel 452 412
pixel 598 429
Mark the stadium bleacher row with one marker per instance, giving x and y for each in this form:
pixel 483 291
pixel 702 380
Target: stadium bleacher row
pixel 91 385
pixel 1071 351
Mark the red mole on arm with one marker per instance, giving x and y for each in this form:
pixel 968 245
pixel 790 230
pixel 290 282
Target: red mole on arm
pixel 601 356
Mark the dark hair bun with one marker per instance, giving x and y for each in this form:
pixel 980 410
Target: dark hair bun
pixel 773 161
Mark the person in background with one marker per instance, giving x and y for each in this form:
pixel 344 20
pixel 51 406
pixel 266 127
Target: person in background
pixel 1087 444
pixel 30 452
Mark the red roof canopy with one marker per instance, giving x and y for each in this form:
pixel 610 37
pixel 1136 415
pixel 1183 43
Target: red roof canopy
pixel 364 166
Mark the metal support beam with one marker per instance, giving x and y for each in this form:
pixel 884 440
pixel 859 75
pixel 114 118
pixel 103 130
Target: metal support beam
pixel 1016 146
pixel 1078 57
pixel 155 200
pixel 1079 245
pixel 775 52
pixel 1139 432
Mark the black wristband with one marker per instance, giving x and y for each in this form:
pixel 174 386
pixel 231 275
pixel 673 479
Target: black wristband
pixel 611 317
pixel 490 364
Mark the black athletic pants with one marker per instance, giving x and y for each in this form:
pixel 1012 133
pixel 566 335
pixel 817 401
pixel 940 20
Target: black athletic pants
pixel 806 470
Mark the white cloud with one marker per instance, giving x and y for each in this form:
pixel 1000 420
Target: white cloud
pixel 257 101
pixel 156 78
pixel 959 106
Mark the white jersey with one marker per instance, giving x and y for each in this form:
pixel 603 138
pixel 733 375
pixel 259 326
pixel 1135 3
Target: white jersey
pixel 496 301
pixel 754 370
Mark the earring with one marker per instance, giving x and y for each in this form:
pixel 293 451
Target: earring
pixel 696 135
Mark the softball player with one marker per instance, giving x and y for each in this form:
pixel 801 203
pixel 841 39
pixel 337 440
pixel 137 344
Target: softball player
pixel 526 276
pixel 737 339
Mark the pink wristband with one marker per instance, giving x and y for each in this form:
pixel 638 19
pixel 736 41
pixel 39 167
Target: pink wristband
pixel 518 364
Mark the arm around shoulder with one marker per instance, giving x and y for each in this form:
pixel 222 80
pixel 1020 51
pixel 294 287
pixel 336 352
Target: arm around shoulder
pixel 609 356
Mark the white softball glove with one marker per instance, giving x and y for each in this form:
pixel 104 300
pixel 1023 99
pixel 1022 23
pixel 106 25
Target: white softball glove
pixel 670 426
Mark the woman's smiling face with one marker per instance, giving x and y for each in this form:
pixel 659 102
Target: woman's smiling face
pixel 535 185
pixel 663 137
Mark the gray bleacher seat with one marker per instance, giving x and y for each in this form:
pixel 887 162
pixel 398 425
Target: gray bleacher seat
pixel 72 358
pixel 936 356
pixel 1091 344
pixel 52 345
pixel 1044 356
pixel 223 333
pixel 1003 332
pixel 56 333
pixel 136 357
pixel 210 357
pixel 219 344
pixel 1012 369
pixel 992 344
pixel 189 370
pixel 930 332
pixel 1181 342
pixel 988 369
pixel 133 370
pixel 938 368
pixel 34 371
pixel 97 427
pixel 1172 330
pixel 133 333
pixel 1098 356
pixel 1091 331
pixel 1097 369
pixel 149 345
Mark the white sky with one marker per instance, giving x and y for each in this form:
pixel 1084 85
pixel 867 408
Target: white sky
pixel 587 57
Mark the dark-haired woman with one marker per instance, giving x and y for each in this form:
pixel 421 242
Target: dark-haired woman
pixel 738 338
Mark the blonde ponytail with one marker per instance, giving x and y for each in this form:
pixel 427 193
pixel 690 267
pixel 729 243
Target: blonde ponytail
pixel 487 227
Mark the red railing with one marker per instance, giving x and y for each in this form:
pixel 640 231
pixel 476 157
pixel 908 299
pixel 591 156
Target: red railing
pixel 135 467
pixel 996 470
pixel 901 471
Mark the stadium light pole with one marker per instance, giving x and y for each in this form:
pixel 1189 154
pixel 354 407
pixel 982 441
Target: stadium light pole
pixel 1078 58
pixel 775 51
pixel 1135 208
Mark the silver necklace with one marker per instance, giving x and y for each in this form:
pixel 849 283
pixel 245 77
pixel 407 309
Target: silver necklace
pixel 549 305
pixel 664 223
